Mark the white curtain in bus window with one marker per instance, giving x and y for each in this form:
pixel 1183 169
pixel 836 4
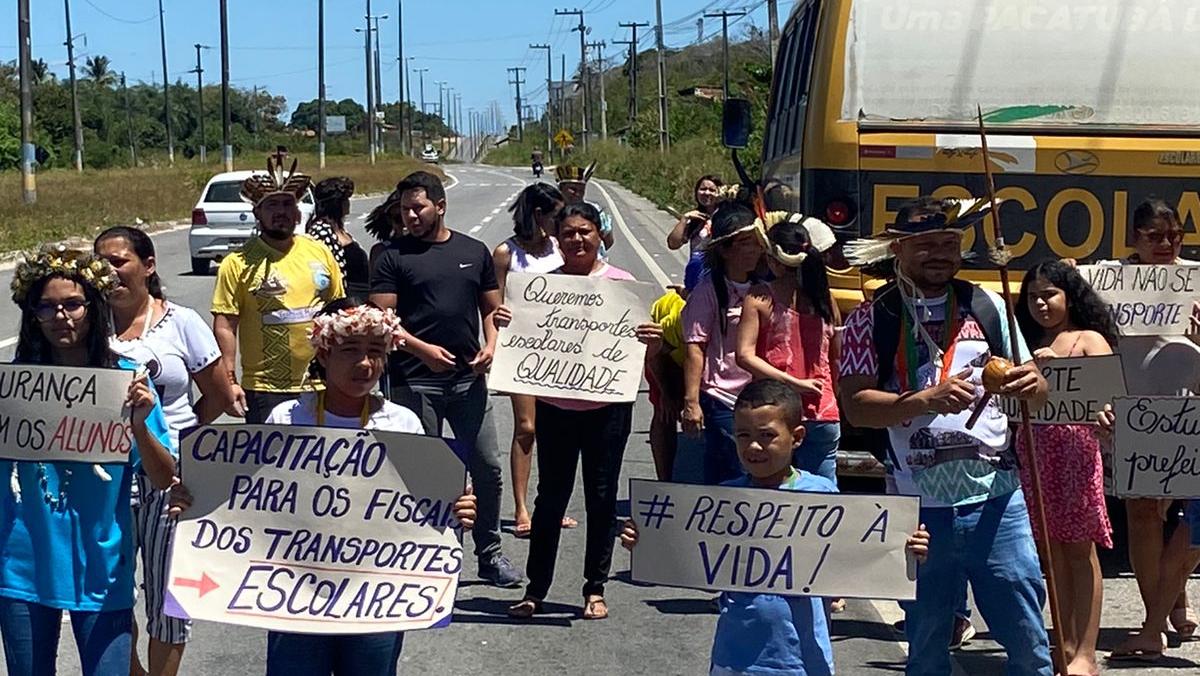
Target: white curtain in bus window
pixel 1125 62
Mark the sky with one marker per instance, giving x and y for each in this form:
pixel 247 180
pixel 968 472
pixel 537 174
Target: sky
pixel 468 44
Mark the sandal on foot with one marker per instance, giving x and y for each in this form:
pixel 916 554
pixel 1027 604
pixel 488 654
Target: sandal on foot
pixel 595 608
pixel 525 608
pixel 522 530
pixel 1135 655
pixel 568 522
pixel 1184 622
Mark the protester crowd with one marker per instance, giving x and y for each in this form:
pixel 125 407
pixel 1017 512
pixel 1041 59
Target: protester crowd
pixel 750 359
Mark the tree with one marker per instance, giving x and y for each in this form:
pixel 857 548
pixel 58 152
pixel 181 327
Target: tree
pixel 41 72
pixel 97 70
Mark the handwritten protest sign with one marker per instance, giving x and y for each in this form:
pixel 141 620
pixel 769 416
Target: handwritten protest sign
pixel 317 530
pixel 572 337
pixel 1156 452
pixel 1079 389
pixel 1147 300
pixel 774 542
pixel 51 413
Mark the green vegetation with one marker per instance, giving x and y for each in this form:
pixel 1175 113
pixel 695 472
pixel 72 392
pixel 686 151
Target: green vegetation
pixel 631 155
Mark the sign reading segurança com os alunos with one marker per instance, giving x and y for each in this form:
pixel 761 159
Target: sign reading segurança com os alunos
pixel 773 541
pixel 53 413
pixel 572 337
pixel 317 530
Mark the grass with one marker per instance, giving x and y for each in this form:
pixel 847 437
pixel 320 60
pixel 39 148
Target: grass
pixel 73 205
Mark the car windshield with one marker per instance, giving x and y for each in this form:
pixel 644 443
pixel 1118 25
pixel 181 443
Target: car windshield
pixel 224 191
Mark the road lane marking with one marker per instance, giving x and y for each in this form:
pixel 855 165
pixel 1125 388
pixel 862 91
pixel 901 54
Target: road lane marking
pixel 497 209
pixel 659 275
pixel 476 229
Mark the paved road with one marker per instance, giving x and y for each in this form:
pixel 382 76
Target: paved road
pixel 651 630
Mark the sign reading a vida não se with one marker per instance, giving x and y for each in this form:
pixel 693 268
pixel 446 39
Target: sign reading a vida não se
pixel 572 337
pixel 53 413
pixel 773 541
pixel 1147 300
pixel 1079 387
pixel 1156 450
pixel 317 530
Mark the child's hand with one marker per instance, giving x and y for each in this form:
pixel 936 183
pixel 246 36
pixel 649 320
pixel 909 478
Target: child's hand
pixel 1105 421
pixel 502 317
pixel 1044 353
pixel 464 508
pixel 629 535
pixel 180 498
pixel 918 544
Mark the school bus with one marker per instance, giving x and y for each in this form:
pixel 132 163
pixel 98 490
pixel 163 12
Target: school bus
pixel 1089 109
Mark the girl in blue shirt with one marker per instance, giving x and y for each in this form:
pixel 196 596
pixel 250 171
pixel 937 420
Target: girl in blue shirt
pixel 66 537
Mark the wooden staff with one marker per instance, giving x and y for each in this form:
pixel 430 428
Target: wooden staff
pixel 1001 259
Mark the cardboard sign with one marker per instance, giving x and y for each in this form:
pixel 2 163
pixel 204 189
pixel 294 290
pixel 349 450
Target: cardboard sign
pixel 53 413
pixel 1147 300
pixel 1079 389
pixel 773 541
pixel 317 530
pixel 572 337
pixel 1156 452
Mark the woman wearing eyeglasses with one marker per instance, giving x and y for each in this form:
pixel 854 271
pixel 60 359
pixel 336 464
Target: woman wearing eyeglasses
pixel 1157 365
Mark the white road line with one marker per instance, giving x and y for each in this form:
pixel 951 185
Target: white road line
pixel 497 209
pixel 476 229
pixel 659 275
pixel 486 219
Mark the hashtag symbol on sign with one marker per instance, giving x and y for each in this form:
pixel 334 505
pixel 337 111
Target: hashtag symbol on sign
pixel 656 508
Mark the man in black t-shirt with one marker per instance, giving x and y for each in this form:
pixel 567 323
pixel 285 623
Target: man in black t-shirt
pixel 443 286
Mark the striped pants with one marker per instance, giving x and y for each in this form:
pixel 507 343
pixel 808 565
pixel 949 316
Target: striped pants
pixel 154 531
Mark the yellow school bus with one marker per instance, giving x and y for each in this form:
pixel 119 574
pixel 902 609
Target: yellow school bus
pixel 1090 108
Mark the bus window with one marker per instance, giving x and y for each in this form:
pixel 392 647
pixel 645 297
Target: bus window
pixel 794 64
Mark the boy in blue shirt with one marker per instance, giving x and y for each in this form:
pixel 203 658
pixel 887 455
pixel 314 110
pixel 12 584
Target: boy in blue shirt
pixel 767 633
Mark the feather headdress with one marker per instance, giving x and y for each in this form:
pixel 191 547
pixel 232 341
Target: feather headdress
pixel 820 236
pixel 573 173
pixel 276 181
pixel 948 215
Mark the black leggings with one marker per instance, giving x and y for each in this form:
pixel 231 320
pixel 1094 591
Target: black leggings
pixel 562 437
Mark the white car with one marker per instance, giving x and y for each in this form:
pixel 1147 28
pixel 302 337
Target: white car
pixel 429 154
pixel 222 222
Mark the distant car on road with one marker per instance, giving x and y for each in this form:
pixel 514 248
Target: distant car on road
pixel 430 154
pixel 222 222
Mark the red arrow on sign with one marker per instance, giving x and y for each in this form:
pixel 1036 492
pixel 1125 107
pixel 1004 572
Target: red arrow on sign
pixel 204 585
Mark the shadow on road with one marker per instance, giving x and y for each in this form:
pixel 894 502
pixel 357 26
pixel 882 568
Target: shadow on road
pixel 495 611
pixel 683 606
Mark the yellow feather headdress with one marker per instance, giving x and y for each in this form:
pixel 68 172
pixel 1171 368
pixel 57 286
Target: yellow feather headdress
pixel 276 181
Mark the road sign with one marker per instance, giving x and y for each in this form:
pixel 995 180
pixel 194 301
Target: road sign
pixel 563 138
pixel 335 124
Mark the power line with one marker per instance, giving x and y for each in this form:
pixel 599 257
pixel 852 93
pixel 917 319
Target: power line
pixel 118 19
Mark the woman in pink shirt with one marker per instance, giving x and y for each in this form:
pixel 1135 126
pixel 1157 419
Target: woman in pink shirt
pixel 568 429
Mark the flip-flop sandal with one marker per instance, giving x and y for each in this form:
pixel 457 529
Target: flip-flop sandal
pixel 1135 655
pixel 525 608
pixel 596 609
pixel 522 530
pixel 568 522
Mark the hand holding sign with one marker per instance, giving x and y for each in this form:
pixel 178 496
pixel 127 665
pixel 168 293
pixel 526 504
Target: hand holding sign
pixel 1147 300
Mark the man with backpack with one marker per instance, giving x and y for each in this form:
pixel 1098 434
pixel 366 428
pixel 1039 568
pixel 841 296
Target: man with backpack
pixel 912 361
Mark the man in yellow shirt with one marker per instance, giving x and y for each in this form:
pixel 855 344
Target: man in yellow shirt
pixel 664 373
pixel 266 294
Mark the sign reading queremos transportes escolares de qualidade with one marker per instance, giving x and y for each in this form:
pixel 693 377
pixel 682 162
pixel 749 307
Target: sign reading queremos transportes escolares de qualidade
pixel 317 530
pixel 1147 300
pixel 572 337
pixel 773 541
pixel 53 413
pixel 1156 451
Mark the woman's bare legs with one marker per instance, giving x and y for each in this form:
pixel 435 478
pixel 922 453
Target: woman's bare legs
pixel 1081 587
pixel 521 458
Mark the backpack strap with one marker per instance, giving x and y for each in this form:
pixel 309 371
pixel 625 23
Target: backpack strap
pixel 977 302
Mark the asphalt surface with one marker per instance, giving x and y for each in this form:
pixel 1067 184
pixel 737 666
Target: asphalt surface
pixel 651 630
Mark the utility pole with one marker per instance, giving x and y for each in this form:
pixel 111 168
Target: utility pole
pixel 70 43
pixel 378 79
pixel 162 42
pixel 664 134
pixel 321 83
pixel 421 73
pixel 583 69
pixel 724 16
pixel 773 28
pixel 633 66
pixel 404 145
pixel 28 177
pixel 441 114
pixel 129 122
pixel 599 47
pixel 408 98
pixel 199 71
pixel 370 89
pixel 549 94
pixel 518 81
pixel 226 113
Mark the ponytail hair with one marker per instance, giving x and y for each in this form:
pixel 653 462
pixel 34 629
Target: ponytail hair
pixel 793 238
pixel 536 197
pixel 142 246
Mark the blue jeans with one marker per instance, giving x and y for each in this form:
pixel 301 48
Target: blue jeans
pixel 31 632
pixel 817 454
pixel 721 461
pixel 992 544
pixel 341 655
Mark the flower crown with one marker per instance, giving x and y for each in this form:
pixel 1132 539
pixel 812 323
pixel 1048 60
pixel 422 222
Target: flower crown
pixel 363 320
pixel 58 259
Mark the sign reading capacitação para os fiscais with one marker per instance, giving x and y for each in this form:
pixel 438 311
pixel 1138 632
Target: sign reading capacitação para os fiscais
pixel 317 530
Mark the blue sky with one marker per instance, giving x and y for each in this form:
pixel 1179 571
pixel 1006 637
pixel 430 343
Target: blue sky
pixel 466 43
